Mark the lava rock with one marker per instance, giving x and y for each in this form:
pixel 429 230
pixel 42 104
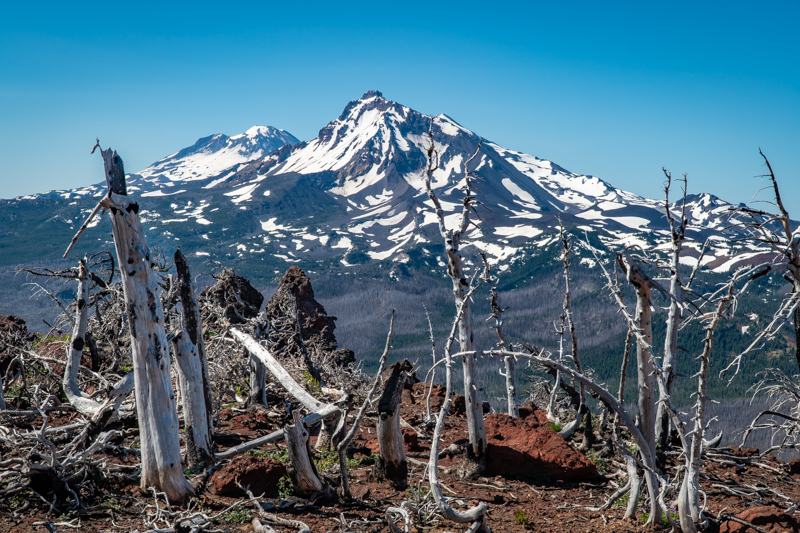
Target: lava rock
pixel 527 447
pixel 260 473
pixel 764 516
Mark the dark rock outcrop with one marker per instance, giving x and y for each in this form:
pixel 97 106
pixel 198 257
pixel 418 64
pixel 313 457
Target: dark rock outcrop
pixel 235 295
pixel 315 325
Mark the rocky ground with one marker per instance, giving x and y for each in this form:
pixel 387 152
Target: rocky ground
pixel 535 481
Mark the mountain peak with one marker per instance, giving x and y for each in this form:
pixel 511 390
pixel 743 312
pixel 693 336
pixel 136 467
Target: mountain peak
pixel 372 94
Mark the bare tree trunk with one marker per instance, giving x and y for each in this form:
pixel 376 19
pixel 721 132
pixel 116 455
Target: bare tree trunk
pixel 341 445
pixel 155 399
pixel 475 460
pixel 645 369
pixel 76 398
pixel 195 388
pixel 99 413
pixel 258 382
pixel 677 232
pixel 305 478
pixel 190 380
pixel 392 462
pixel 510 363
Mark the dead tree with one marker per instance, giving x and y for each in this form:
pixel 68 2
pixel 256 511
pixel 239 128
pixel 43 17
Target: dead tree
pixel 452 241
pixel 510 373
pixel 341 440
pixel 190 356
pixel 677 232
pixel 155 398
pixel 775 230
pixel 99 412
pixel 477 514
pixel 305 478
pixel 391 464
pixel 645 362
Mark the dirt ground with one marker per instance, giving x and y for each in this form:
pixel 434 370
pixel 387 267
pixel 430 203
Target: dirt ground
pixel 732 485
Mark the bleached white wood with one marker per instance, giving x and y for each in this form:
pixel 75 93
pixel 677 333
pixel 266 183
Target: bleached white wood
pixel 281 375
pixel 155 398
pixel 305 477
pixel 98 412
pixel 190 380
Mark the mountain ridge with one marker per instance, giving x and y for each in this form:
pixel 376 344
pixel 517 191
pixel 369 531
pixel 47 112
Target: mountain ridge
pixel 363 177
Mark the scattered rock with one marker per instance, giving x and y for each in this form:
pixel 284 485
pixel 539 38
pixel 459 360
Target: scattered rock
pixel 411 440
pixel 260 473
pixel 360 492
pixel 527 447
pixel 764 516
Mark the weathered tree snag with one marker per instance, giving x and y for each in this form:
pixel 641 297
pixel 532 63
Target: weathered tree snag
pixel 341 445
pixel 391 464
pixel 258 382
pixel 674 317
pixel 195 388
pixel 276 369
pixel 193 326
pixel 155 399
pixel 99 413
pixel 644 363
pixel 510 363
pixel 305 478
pixel 475 459
pixel 195 419
pixel 75 397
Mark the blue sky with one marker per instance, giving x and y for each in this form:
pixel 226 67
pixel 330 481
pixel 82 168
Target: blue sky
pixel 613 91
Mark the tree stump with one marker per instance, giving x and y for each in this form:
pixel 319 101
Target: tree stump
pixel 391 464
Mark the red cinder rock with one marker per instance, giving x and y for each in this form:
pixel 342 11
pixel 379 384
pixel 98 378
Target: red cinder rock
pixel 764 516
pixel 410 440
pixel 260 473
pixel 527 447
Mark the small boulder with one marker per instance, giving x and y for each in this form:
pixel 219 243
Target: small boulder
pixel 764 516
pixel 260 473
pixel 794 467
pixel 411 440
pixel 527 447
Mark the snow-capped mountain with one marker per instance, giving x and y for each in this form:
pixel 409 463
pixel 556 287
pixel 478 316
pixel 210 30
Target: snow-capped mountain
pixel 356 193
pixel 195 165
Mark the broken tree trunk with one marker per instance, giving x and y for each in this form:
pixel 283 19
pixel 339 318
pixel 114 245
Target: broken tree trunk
pixel 644 363
pixel 190 380
pixel 276 369
pixel 475 459
pixel 75 397
pixel 190 355
pixel 99 413
pixel 258 382
pixel 305 478
pixel 392 462
pixel 155 398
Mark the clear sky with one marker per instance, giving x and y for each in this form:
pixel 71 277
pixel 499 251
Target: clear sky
pixel 604 88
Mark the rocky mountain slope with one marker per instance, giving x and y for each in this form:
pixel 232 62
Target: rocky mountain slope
pixel 356 194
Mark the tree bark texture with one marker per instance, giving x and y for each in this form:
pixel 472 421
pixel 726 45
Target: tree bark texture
pixel 305 478
pixel 193 329
pixel 195 419
pixel 392 462
pixel 645 370
pixel 155 398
